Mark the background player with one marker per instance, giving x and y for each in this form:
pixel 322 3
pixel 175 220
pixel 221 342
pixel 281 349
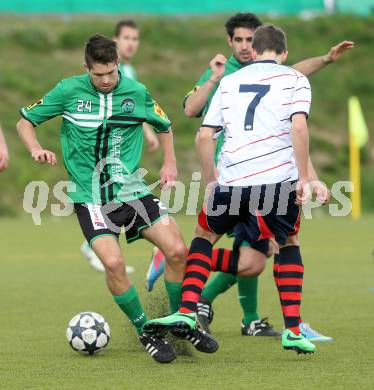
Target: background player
pixel 240 30
pixel 4 155
pixel 264 104
pixel 126 35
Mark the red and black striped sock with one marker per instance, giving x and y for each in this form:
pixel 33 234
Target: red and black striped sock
pixel 197 273
pixel 288 276
pixel 225 260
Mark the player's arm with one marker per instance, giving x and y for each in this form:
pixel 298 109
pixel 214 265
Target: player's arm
pixel 312 65
pixel 27 134
pixel 196 101
pixel 157 118
pixel 4 155
pixel 150 137
pixel 168 172
pixel 300 141
pixel 205 146
pixel 319 188
pixel 51 105
pixel 205 143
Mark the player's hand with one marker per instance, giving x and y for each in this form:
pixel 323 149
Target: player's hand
pixel 217 65
pixel 168 175
pixel 4 159
pixel 303 192
pixel 320 190
pixel 338 50
pixel 42 156
pixel 210 188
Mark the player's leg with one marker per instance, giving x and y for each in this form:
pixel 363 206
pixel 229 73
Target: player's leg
pixel 166 236
pixel 101 230
pixel 94 260
pixel 155 269
pixel 289 269
pixel 305 329
pixel 199 265
pixel 255 255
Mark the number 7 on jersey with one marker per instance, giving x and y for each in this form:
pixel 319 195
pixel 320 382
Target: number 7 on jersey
pixel 261 91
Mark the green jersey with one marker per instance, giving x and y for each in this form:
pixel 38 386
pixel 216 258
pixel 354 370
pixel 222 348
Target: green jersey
pixel 231 66
pixel 101 135
pixel 128 71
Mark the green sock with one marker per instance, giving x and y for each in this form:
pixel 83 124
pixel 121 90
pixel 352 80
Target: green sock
pixel 248 298
pixel 130 304
pixel 218 285
pixel 174 290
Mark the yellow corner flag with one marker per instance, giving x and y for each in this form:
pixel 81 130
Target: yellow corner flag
pixel 358 136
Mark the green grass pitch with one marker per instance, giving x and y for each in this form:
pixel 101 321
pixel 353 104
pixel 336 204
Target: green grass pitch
pixel 44 281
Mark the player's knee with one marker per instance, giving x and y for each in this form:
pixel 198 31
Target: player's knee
pixel 251 263
pixel 293 240
pixel 207 235
pixel 257 268
pixel 176 255
pixel 114 264
pixel 253 269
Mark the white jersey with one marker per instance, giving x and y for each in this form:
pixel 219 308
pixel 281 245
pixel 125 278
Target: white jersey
pixel 254 107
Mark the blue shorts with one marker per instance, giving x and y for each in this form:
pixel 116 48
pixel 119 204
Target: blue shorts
pixel 255 213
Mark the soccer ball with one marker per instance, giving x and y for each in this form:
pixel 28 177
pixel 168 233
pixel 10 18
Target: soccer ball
pixel 88 333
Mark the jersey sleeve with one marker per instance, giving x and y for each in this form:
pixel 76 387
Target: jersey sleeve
pixel 302 97
pixel 202 80
pixel 214 117
pixel 155 116
pixel 49 106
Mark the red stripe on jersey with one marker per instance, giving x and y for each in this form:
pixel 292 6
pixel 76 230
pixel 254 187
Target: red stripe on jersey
pixel 202 220
pixel 264 230
pixel 255 142
pixel 279 75
pixel 257 173
pixel 297 101
pixel 290 296
pixel 290 268
pixel 296 227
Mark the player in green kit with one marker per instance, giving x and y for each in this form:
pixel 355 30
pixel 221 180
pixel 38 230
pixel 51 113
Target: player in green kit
pixel 4 155
pixel 102 138
pixel 240 29
pixel 126 35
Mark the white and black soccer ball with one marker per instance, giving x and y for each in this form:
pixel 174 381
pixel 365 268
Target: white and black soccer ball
pixel 88 333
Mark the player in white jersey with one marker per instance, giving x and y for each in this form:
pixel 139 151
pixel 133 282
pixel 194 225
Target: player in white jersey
pixel 255 106
pixel 262 180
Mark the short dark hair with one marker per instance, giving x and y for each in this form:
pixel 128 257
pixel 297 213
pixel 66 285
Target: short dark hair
pixel 246 20
pixel 269 37
pixel 100 49
pixel 124 23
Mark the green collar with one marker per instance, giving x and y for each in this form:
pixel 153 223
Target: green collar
pixel 235 63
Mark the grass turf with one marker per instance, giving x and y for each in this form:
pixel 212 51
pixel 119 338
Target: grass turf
pixel 44 281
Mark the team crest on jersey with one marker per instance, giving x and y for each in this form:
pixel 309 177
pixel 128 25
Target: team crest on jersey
pixel 128 106
pixel 158 110
pixel 29 107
